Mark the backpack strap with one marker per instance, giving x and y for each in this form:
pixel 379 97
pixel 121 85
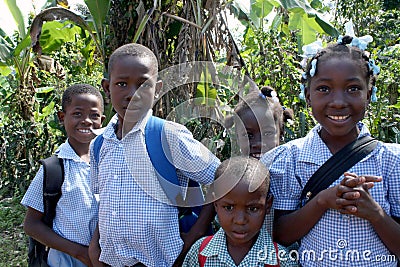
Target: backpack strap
pixel 53 178
pixel 204 243
pixel 160 156
pixel 98 142
pixel 277 256
pixel 336 165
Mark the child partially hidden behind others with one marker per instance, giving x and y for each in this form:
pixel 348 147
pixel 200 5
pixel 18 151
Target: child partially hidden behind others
pixel 241 199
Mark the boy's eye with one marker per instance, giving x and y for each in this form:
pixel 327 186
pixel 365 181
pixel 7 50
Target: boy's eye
pixel 253 209
pixel 146 85
pixel 121 84
pixel 228 208
pixel 77 114
pixel 95 116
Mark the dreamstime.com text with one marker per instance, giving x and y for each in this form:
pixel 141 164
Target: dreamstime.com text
pixel 331 254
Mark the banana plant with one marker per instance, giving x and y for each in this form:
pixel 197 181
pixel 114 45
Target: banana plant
pixel 287 15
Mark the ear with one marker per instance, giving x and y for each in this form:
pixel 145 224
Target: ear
pixel 61 115
pixel 159 85
pixel 307 93
pixel 215 206
pixel 103 117
pixel 268 204
pixel 105 83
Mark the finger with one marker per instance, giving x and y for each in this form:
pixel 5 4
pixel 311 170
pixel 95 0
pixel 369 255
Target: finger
pixel 351 195
pixel 343 189
pixel 353 182
pixel 372 178
pixel 350 174
pixel 342 202
pixel 368 186
pixel 348 210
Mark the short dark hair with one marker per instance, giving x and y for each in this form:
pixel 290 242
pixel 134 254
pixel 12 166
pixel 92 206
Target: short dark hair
pixel 134 50
pixel 251 171
pixel 79 89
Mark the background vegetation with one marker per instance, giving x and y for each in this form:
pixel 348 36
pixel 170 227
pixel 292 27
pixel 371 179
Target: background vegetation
pixel 72 46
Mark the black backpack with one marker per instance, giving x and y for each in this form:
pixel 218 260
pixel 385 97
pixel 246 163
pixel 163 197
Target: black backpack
pixel 53 178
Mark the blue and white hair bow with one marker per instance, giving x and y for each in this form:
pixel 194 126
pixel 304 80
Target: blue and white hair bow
pixel 360 42
pixel 310 50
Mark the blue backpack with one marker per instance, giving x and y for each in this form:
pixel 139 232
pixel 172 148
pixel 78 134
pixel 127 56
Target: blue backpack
pixel 164 169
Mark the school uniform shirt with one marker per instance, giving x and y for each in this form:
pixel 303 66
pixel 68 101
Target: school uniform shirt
pixel 336 239
pixel 76 211
pixel 136 223
pixel 263 253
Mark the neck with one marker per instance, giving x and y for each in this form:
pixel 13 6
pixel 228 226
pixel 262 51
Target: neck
pixel 82 150
pixel 336 143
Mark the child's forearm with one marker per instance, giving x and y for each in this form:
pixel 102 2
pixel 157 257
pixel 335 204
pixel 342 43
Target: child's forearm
pixel 34 227
pixel 94 249
pixel 290 227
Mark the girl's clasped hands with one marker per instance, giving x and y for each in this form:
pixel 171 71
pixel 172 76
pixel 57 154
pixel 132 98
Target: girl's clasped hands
pixel 353 196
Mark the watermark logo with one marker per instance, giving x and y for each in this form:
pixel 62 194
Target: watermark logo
pixel 330 254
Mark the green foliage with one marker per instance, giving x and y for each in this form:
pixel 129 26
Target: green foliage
pixel 14 242
pixel 369 18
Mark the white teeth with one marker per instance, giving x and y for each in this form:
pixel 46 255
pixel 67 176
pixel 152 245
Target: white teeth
pixel 84 130
pixel 338 118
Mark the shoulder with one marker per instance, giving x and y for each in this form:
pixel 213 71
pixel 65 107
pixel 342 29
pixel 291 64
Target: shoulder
pixel 388 153
pixel 174 127
pixel 284 151
pixel 390 148
pixel 192 257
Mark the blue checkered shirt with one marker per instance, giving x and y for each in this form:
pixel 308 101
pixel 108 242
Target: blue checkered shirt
pixel 337 239
pixel 262 253
pixel 134 225
pixel 76 211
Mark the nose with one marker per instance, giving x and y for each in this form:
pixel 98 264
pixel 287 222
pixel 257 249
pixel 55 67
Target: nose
pixel 255 143
pixel 240 217
pixel 86 120
pixel 338 98
pixel 132 91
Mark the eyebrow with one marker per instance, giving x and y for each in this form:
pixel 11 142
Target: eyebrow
pixel 355 79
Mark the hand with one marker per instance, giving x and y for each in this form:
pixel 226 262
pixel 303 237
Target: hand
pixel 352 180
pixel 360 203
pixel 83 255
pixel 94 253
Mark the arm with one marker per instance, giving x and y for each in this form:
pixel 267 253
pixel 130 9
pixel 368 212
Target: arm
pixel 198 230
pixel 358 202
pixel 292 226
pixel 34 227
pixel 95 250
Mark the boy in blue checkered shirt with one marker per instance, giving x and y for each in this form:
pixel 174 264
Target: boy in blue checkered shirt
pixel 76 210
pixel 356 221
pixel 138 226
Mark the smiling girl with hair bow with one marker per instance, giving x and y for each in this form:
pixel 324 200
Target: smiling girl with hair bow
pixel 356 220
